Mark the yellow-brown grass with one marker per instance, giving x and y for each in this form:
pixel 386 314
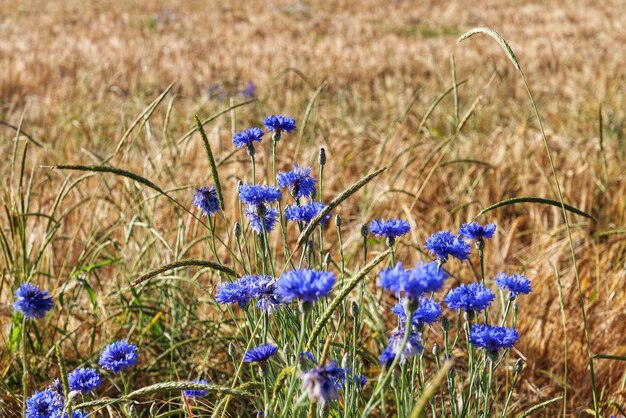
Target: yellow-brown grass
pixel 79 74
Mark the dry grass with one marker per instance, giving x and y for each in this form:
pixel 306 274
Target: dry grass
pixel 80 74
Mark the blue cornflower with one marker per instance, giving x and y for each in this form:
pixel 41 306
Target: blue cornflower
pixel 238 292
pixel 413 346
pixel 389 228
pixel 260 354
pixel 444 243
pixel 305 213
pixel 261 216
pixel 205 199
pixel 279 123
pixel 424 278
pixel 247 137
pixel 493 338
pixel 77 413
pixel 44 405
pixel 249 91
pixel 56 387
pixel 516 284
pixel 196 393
pixel 32 302
pixel 84 379
pixel 255 195
pixel 118 356
pixel 427 312
pixel 298 180
pixel 472 297
pixel 264 289
pixel 321 383
pixel 475 231
pixel 387 357
pixel 305 285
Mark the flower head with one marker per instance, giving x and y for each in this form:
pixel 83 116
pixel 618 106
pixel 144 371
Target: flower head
pixel 443 244
pixel 44 404
pixel 389 228
pixel 305 285
pixel 255 195
pixel 298 180
pixel 247 137
pixel 118 356
pixel 413 345
pixel 305 213
pixel 493 337
pixel 32 302
pixel 261 217
pixel 238 292
pixel 196 393
pixel 279 123
pixel 260 354
pixel 321 383
pixel 424 278
pixel 516 284
pixel 265 291
pixel 205 199
pixel 471 297
pixel 387 357
pixel 427 312
pixel 84 379
pixel 475 231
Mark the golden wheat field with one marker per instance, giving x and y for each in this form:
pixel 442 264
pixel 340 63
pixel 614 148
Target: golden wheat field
pixel 116 83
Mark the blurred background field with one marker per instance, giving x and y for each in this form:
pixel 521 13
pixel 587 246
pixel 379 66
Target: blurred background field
pixel 362 75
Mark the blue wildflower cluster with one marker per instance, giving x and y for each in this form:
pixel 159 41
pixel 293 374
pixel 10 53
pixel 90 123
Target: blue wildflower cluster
pixel 248 137
pixel 391 228
pixel 118 356
pixel 260 354
pixel 305 213
pixel 515 284
pixel 279 123
pixel 472 297
pixel 424 278
pixel 206 200
pixel 427 312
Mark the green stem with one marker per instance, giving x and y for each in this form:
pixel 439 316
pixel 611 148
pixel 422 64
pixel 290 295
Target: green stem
pixel 292 384
pixel 487 390
pixel 24 366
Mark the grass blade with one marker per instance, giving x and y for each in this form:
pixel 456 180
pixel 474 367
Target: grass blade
pixel 539 406
pixel 495 35
pixel 207 147
pixel 336 202
pixel 325 317
pixel 541 200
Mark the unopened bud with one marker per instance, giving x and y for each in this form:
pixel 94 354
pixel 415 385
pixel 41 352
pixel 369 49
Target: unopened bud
pixel 365 230
pixel 322 159
pixel 251 150
pixel 276 136
pixel 232 350
pixel 436 350
pixel 445 323
pixel 327 259
pixel 519 365
pixel 354 310
pixel 338 221
pixel 390 241
pixel 468 315
pixel 237 230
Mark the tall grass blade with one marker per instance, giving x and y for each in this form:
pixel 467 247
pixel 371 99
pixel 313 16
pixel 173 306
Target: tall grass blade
pixel 214 174
pixel 541 200
pixel 180 264
pixel 537 407
pixel 336 202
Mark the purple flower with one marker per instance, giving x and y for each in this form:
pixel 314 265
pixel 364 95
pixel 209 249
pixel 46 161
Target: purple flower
pixel 389 228
pixel 305 285
pixel 260 354
pixel 44 405
pixel 206 200
pixel 443 244
pixel 413 345
pixel 305 213
pixel 472 297
pixel 255 195
pixel 118 356
pixel 261 217
pixel 493 338
pixel 279 123
pixel 196 393
pixel 298 180
pixel 516 284
pixel 32 302
pixel 248 137
pixel 321 383
pixel 475 231
pixel 84 379
pixel 427 312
